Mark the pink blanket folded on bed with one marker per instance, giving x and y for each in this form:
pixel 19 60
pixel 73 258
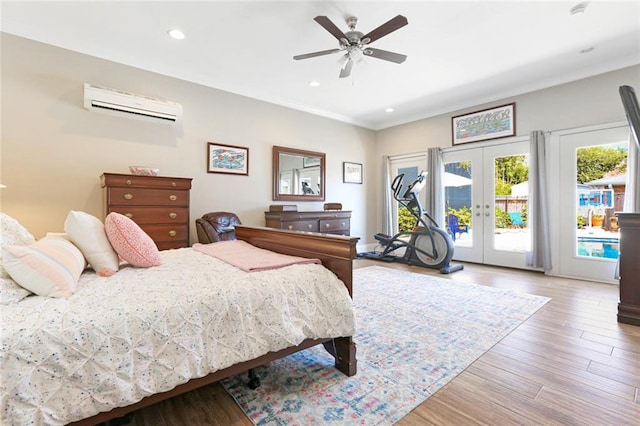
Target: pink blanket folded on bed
pixel 249 258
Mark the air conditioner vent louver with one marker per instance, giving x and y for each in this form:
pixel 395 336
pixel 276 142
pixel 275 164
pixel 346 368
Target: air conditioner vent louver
pixel 135 106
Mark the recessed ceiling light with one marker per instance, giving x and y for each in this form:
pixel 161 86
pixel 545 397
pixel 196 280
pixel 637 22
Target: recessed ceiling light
pixel 389 110
pixel 177 34
pixel 314 83
pixel 578 9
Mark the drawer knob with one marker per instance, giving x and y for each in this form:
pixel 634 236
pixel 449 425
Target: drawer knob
pixel 173 184
pixel 172 233
pixel 290 226
pixel 309 226
pixel 128 181
pixel 173 197
pixel 128 196
pixel 327 225
pixel 173 215
pixel 129 215
pixel 343 224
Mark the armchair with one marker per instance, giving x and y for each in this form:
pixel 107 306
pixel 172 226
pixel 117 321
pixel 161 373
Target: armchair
pixel 217 226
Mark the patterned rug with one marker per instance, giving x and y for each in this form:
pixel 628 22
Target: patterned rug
pixel 415 333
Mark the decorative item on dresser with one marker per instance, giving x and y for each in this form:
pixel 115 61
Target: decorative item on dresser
pixel 160 205
pixel 337 222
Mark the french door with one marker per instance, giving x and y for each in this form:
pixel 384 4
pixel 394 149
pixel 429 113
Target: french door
pixel 486 189
pixel 592 187
pixel 410 166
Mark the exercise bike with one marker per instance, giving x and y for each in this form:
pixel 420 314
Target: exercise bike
pixel 426 244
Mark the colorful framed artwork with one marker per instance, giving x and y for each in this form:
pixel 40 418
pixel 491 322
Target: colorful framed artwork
pixel 351 172
pixel 491 123
pixel 229 159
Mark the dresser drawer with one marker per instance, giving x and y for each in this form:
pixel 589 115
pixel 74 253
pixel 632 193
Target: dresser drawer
pixel 168 245
pixel 167 232
pixel 332 225
pixel 153 215
pixel 135 181
pixel 301 225
pixel 147 197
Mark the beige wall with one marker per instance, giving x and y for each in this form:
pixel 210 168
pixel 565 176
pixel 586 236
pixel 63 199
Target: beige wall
pixel 53 151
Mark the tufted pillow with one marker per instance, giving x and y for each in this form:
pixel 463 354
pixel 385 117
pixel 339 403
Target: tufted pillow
pixel 50 267
pixel 11 292
pixel 130 242
pixel 12 233
pixel 88 234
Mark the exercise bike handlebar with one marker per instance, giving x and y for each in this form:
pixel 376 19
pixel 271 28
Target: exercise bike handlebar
pixel 413 189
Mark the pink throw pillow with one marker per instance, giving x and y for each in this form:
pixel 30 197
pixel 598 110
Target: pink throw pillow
pixel 130 242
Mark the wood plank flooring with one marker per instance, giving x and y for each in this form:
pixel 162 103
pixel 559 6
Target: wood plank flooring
pixel 571 363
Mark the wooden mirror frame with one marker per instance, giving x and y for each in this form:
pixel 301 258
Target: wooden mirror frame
pixel 277 150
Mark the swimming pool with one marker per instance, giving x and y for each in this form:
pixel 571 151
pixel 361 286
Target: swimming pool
pixel 601 247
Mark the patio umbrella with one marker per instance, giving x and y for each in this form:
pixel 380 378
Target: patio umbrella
pixel 452 179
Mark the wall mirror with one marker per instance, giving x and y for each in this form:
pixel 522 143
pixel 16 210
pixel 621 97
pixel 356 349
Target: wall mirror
pixel 298 175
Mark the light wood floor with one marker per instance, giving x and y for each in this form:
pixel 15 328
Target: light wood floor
pixel 571 363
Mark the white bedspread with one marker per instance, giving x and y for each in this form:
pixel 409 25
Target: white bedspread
pixel 144 331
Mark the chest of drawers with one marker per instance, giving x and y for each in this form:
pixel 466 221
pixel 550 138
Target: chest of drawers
pixel 160 205
pixel 326 222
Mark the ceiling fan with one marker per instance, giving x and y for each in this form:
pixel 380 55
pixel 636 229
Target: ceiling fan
pixel 356 45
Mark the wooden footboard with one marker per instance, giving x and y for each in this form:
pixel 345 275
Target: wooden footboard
pixel 335 252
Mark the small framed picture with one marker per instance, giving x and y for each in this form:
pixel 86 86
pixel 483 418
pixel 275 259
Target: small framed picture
pixel 492 123
pixel 351 172
pixel 229 159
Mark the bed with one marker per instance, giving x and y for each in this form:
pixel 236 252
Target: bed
pixel 127 341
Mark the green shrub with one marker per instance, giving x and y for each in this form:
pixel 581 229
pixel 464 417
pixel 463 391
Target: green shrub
pixel 502 219
pixel 581 221
pixel 406 221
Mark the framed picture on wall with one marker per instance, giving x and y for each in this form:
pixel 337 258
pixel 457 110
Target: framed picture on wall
pixel 351 172
pixel 491 123
pixel 229 159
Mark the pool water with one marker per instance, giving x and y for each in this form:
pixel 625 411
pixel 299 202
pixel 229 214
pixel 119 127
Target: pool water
pixel 602 249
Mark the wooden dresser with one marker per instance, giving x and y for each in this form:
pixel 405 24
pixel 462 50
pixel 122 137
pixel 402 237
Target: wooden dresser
pixel 629 306
pixel 326 222
pixel 160 205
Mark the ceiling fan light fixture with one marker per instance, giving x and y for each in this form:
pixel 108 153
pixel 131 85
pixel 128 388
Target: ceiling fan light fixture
pixel 314 83
pixel 355 44
pixel 389 110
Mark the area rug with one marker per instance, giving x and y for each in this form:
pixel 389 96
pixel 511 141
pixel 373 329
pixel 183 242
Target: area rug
pixel 415 333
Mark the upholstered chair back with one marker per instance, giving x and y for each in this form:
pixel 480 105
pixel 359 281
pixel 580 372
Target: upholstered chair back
pixel 217 226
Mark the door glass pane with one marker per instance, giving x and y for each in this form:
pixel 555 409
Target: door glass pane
pixel 406 221
pixel 511 180
pixel 458 189
pixel 600 188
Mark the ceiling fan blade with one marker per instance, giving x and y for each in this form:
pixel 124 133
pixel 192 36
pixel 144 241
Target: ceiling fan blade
pixel 385 55
pixel 386 28
pixel 330 26
pixel 346 70
pixel 314 54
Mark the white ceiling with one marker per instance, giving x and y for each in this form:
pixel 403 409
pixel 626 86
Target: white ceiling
pixel 460 53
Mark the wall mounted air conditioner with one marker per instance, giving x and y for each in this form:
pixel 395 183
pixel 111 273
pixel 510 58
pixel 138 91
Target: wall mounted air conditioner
pixel 113 101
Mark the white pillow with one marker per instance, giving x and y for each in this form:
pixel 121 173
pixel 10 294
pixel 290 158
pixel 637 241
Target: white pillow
pixel 12 233
pixel 50 267
pixel 88 234
pixel 11 292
